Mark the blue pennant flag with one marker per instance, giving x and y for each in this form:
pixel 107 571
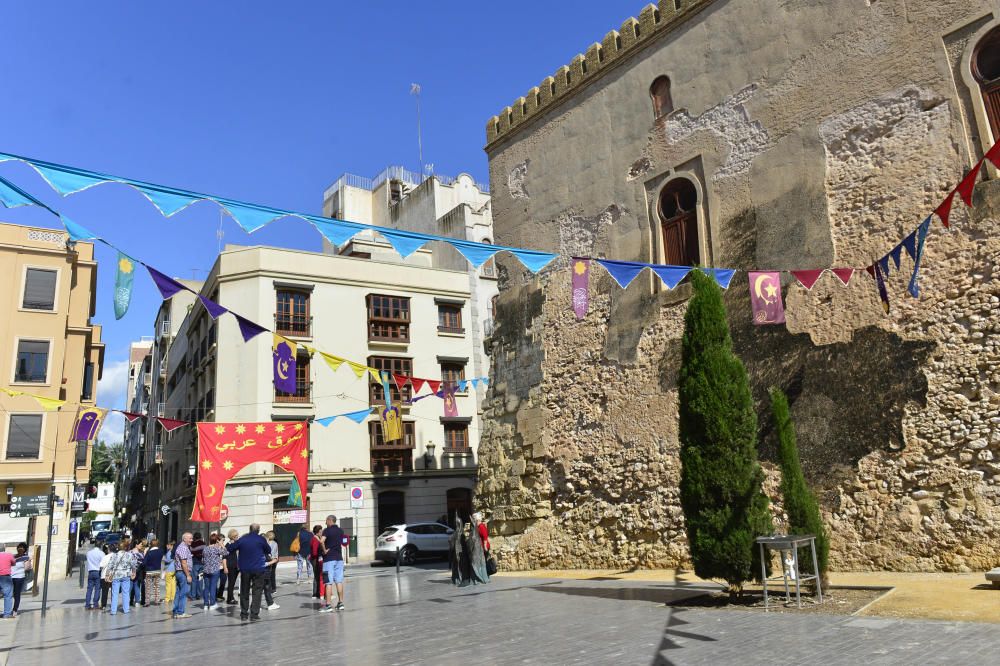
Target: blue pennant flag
pixel 250 218
pixel 358 416
pixel 326 420
pixel 485 380
pixel 66 180
pixel 405 242
pixel 75 231
pixel 895 253
pixel 337 232
pixel 622 271
pixel 463 385
pixel 671 275
pixel 167 202
pixel 723 276
pixel 533 260
pixel 12 196
pixel 475 382
pixel 913 287
pixel 910 243
pixel 476 253
pixel 884 265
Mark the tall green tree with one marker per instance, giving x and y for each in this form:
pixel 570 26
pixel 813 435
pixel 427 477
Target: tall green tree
pixel 720 490
pixel 800 502
pixel 105 461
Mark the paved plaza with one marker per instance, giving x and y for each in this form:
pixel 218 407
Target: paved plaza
pixel 419 618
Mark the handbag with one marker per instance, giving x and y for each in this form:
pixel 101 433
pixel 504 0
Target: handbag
pixel 491 565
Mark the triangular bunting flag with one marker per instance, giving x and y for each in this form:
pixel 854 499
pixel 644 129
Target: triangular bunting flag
pixel 533 260
pixel 723 276
pixel 807 278
pixel 623 272
pixel 404 242
pixel 358 416
pixel 167 285
pixel 250 218
pixel 476 254
pixel 333 361
pixel 884 265
pixel 13 196
pixel 400 380
pixel 248 329
pixel 671 276
pixel 337 232
pixel 75 231
pixel 910 244
pixel 170 424
pixel 65 180
pixel 130 416
pixel 475 382
pixel 417 384
pixel 48 404
pixel 968 183
pixel 882 293
pixel 944 209
pixel 463 385
pixel 375 375
pixel 325 421
pixel 360 369
pixel 895 254
pixel 435 386
pixel 993 154
pixel 843 274
pixel 922 230
pixel 214 309
pixel 168 203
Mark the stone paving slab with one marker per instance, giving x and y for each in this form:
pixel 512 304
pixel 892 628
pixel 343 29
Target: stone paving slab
pixel 419 618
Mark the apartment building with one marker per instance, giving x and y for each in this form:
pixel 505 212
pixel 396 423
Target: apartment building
pixel 50 348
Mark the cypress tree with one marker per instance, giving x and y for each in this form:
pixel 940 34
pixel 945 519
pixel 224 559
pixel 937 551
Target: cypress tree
pixel 800 502
pixel 720 489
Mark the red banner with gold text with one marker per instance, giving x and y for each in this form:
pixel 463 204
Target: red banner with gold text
pixel 226 448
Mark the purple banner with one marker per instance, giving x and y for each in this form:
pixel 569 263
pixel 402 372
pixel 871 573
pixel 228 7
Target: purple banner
pixel 765 297
pixel 284 365
pixel 581 287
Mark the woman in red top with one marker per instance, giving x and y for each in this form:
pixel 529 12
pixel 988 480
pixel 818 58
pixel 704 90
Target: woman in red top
pixel 316 555
pixel 477 518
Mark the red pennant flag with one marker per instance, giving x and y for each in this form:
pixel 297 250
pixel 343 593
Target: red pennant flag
pixel 435 385
pixel 944 210
pixel 226 448
pixel 418 384
pixel 993 154
pixel 843 274
pixel 170 424
pixel 964 188
pixel 871 271
pixel 400 380
pixel 807 278
pixel 130 416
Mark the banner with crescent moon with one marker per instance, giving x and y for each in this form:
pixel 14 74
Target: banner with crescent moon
pixel 283 353
pixel 226 448
pixel 765 297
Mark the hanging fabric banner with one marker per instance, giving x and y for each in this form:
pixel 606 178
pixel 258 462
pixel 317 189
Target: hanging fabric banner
pixel 294 493
pixel 944 209
pixel 807 278
pixel 895 254
pixel 167 285
pixel 130 416
pixel 171 424
pixel 450 406
pixel 392 424
pixel 214 309
pixel 248 329
pixel 765 297
pixel 913 288
pixel 880 283
pixel 671 276
pixel 358 417
pixel 283 362
pixel 968 183
pixel 48 404
pixel 123 284
pixel 88 423
pixel 910 244
pixel 843 274
pixel 623 272
pixel 226 448
pixel 581 287
pixel 333 361
pixel 417 384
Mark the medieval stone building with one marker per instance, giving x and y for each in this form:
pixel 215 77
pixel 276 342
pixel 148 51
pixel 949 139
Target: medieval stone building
pixel 778 134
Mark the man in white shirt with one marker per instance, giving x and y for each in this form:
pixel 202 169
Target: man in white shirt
pixel 94 557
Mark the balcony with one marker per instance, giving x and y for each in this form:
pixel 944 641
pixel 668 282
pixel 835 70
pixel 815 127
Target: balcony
pixel 488 327
pixel 165 328
pixel 293 325
pixel 303 394
pixel 161 409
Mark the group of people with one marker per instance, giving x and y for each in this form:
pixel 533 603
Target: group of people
pixel 319 552
pixel 13 568
pixel 469 552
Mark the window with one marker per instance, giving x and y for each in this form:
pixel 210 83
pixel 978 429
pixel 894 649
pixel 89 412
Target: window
pixel 456 437
pixel 39 289
pixel 450 318
pixel 303 387
pixel 452 372
pixel 291 315
pixel 88 382
pixel 396 365
pixel 375 436
pixel 394 457
pixel 489 267
pixel 660 94
pixel 679 220
pixel 388 318
pixel 24 436
pixel 986 70
pixel 81 453
pixel 360 255
pixel 32 361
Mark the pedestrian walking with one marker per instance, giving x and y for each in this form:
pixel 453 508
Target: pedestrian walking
pixel 477 553
pixel 197 549
pixel 333 564
pixel 105 582
pixel 302 548
pixel 316 557
pixel 169 577
pixel 138 591
pixel 232 568
pixel 184 564
pixel 272 572
pixel 22 565
pixel 212 563
pixel 254 555
pixel 120 573
pixel 94 557
pixel 152 564
pixel 7 582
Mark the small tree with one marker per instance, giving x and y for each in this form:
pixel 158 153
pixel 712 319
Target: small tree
pixel 720 490
pixel 800 503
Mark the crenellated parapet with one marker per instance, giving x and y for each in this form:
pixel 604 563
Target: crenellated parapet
pixel 634 33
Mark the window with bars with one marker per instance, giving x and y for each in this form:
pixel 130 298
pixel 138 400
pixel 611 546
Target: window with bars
pixel 393 457
pixel 456 437
pixel 291 316
pixel 388 318
pixel 450 318
pixel 679 222
pixel 39 289
pixel 32 361
pixel 452 372
pixel 986 70
pixel 24 436
pixel 303 385
pixel 395 365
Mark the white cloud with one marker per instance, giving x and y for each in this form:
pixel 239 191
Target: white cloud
pixel 114 381
pixel 113 430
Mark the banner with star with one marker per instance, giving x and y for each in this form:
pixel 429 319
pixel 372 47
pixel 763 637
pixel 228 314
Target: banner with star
pixel 226 448
pixel 123 284
pixel 765 297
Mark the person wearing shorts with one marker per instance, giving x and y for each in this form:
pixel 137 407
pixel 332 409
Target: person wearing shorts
pixel 333 564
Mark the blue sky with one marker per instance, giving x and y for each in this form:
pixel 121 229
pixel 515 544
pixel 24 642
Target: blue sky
pixel 261 101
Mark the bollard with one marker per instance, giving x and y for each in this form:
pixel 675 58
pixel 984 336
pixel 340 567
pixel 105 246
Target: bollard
pixel 397 560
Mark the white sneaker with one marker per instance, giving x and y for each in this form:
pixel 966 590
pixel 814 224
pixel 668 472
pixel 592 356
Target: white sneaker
pixel 273 607
pixel 326 609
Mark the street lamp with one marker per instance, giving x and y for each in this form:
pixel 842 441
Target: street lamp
pixel 191 470
pixel 429 454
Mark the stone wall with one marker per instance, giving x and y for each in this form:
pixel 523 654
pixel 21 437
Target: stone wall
pixel 818 135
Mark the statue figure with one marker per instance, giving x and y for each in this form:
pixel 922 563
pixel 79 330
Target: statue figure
pixel 457 556
pixel 477 555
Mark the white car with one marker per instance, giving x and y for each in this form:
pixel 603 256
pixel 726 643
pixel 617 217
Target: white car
pixel 412 540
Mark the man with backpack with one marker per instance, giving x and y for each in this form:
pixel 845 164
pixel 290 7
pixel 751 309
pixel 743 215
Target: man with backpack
pixel 301 547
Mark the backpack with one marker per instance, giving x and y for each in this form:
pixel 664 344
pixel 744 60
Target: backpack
pixel 295 545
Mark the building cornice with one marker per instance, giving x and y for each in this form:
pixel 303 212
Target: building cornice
pixel 616 48
pixel 348 282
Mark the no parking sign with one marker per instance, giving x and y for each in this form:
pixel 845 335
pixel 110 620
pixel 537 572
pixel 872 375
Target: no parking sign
pixel 357 497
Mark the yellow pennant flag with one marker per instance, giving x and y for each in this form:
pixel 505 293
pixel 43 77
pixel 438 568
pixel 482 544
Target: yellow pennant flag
pixel 375 375
pixel 359 368
pixel 333 361
pixel 49 404
pixel 11 393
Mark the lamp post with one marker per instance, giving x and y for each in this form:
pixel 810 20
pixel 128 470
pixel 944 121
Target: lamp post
pixel 429 454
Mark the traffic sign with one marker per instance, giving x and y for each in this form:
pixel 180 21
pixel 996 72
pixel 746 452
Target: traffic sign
pixel 22 506
pixel 77 507
pixel 357 497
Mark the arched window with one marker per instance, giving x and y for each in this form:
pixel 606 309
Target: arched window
pixel 986 70
pixel 677 208
pixel 660 94
pixel 489 267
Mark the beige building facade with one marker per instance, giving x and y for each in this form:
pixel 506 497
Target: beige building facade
pixel 48 347
pixel 770 135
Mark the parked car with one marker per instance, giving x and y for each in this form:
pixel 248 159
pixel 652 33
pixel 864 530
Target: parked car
pixel 111 538
pixel 413 540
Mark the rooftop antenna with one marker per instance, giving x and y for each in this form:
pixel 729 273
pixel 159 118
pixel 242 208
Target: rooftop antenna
pixel 415 91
